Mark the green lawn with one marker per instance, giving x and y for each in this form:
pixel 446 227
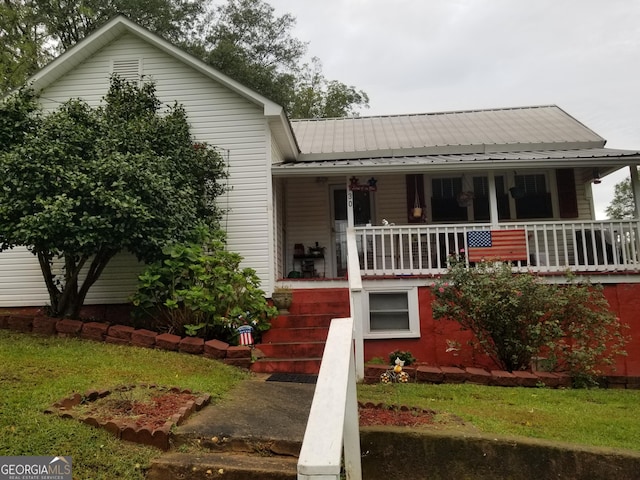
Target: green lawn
pixel 595 417
pixel 35 371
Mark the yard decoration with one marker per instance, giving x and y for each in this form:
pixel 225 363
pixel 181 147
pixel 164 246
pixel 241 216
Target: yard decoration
pixel 395 374
pixel 245 335
pixel 282 298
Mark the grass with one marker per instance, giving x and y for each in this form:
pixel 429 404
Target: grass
pixel 35 371
pixel 593 417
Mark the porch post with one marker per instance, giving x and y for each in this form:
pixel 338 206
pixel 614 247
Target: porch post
pixel 350 218
pixel 635 187
pixel 355 287
pixel 493 199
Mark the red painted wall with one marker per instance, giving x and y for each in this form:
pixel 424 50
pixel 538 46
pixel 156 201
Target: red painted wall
pixel 431 347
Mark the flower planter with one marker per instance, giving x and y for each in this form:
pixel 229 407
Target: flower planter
pixel 282 301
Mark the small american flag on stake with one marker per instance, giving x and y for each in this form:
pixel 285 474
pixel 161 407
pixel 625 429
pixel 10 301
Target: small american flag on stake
pixel 246 334
pixel 497 245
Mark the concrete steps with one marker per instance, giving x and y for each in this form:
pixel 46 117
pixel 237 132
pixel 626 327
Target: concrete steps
pixel 295 342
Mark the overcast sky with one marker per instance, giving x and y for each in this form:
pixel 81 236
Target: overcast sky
pixel 418 56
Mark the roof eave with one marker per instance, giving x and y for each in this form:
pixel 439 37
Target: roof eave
pixel 451 149
pixel 607 164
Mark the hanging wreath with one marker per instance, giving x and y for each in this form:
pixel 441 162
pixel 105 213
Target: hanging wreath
pixel 465 199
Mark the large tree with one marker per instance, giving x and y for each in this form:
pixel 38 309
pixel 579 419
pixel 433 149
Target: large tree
pixel 68 22
pixel 248 42
pixel 622 205
pixel 22 43
pixel 33 31
pixel 81 184
pixel 242 38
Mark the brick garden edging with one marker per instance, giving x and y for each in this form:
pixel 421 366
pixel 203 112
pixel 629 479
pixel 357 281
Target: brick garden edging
pixel 239 356
pixel 124 430
pixel 480 376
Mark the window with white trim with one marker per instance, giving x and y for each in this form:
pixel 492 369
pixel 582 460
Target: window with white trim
pixel 392 313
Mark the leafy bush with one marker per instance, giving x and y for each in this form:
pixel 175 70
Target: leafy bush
pixel 517 316
pixel 200 289
pixel 405 356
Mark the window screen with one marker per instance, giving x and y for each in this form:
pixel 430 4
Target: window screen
pixel 389 311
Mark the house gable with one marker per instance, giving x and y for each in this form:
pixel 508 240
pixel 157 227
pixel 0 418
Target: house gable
pixel 228 118
pixel 120 26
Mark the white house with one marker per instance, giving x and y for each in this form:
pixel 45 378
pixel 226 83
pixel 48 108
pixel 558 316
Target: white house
pixel 410 189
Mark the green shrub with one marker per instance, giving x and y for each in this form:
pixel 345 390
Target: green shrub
pixel 517 316
pixel 200 289
pixel 405 356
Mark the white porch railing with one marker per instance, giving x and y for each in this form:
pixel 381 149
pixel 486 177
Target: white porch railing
pixel 580 246
pixel 333 423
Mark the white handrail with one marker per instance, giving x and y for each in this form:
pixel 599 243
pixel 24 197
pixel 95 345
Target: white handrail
pixel 355 300
pixel 333 418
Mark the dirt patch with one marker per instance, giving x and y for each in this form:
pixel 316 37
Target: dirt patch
pixel 379 414
pixel 141 407
pixel 137 413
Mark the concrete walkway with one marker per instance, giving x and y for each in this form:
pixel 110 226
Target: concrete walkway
pixel 256 431
pixel 273 413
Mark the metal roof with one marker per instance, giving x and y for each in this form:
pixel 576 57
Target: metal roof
pixel 507 129
pixel 606 159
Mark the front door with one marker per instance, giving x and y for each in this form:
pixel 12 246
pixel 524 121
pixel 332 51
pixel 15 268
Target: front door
pixel 362 214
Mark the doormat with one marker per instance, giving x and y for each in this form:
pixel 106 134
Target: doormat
pixel 292 378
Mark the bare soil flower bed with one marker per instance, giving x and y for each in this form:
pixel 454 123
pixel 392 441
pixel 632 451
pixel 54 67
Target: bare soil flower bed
pixel 380 414
pixel 138 413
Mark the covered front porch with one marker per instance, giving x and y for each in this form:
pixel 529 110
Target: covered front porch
pixel 406 231
pixel 416 189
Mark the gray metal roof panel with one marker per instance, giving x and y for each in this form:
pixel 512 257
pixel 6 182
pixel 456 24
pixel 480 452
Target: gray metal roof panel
pixel 524 125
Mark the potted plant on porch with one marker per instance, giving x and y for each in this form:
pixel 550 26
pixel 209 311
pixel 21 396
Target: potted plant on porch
pixel 282 298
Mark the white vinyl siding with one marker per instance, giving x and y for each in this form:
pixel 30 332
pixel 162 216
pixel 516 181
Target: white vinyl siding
pixel 308 215
pixel 217 116
pixel 21 282
pixel 391 200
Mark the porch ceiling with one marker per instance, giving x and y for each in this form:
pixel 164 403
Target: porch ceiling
pixel 606 159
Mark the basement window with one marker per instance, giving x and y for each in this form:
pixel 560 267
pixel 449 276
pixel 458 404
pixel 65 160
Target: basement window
pixel 392 313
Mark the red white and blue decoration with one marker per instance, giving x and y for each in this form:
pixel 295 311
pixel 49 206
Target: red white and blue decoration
pixel 246 335
pixel 509 245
